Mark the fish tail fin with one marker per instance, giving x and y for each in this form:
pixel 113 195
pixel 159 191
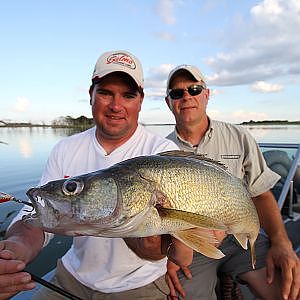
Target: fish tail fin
pixel 242 238
pixel 253 254
pixel 200 240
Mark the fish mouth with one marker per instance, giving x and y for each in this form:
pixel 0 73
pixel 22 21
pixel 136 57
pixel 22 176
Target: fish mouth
pixel 38 203
pixel 41 207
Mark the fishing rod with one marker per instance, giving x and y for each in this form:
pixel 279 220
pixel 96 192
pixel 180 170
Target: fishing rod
pixel 4 197
pixel 53 287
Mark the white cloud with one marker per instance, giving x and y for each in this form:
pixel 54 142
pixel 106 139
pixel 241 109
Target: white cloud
pixel 264 87
pixel 162 69
pixel 165 10
pixel 156 81
pixel 21 104
pixel 264 47
pixel 269 8
pixel 166 36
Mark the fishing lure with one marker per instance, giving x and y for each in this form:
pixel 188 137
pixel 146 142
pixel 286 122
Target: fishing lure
pixel 4 197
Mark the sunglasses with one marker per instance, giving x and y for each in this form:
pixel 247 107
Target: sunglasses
pixel 193 90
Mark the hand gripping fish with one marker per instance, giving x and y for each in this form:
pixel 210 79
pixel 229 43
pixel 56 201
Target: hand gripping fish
pixel 174 192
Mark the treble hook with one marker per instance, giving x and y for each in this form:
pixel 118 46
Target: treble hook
pixel 4 197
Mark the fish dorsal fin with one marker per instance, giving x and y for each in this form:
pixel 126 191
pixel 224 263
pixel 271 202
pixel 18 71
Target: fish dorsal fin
pixel 191 218
pixel 189 154
pixel 198 242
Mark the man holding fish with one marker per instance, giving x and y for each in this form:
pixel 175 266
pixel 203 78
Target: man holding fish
pixel 96 267
pixel 277 273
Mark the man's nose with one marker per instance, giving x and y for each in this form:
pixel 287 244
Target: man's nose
pixel 186 94
pixel 116 102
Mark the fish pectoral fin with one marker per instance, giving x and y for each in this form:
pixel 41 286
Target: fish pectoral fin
pixel 195 219
pixel 206 235
pixel 242 238
pixel 198 243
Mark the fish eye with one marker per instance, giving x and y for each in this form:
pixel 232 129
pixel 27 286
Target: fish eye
pixel 72 187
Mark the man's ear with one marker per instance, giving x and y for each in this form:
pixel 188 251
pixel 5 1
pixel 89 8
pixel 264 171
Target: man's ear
pixel 142 98
pixel 141 101
pixel 168 103
pixel 91 93
pixel 207 95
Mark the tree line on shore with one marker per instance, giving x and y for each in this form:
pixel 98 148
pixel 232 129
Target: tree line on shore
pixel 271 122
pixel 62 122
pixel 83 121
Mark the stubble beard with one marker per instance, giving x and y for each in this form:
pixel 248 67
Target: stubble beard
pixel 115 132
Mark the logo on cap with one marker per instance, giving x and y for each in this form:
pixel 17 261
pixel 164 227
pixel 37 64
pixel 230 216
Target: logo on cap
pixel 121 59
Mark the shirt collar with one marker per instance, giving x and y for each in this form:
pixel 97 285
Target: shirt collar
pixel 208 134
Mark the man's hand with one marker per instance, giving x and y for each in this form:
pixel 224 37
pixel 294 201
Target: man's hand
pixel 180 256
pixel 21 246
pixel 173 281
pixel 286 260
pixel 12 279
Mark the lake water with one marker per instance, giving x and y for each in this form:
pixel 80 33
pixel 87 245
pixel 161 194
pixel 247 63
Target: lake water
pixel 23 154
pixel 24 151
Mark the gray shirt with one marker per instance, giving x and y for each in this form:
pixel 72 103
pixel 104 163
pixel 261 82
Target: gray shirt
pixel 235 147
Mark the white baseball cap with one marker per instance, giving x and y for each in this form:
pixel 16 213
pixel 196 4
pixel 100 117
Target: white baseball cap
pixel 194 71
pixel 119 61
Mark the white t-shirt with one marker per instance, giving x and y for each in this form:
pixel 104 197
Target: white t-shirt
pixel 104 264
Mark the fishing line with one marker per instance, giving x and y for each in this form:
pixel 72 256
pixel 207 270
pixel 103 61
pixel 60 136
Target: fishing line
pixel 4 197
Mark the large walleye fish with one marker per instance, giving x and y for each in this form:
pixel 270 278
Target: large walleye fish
pixel 174 192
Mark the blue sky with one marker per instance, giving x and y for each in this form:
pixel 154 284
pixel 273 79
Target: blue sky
pixel 248 50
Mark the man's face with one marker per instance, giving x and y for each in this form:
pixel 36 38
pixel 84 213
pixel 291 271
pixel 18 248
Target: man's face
pixel 189 109
pixel 116 104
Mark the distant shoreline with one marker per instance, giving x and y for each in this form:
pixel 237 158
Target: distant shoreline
pixel 271 122
pixel 268 122
pixel 254 123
